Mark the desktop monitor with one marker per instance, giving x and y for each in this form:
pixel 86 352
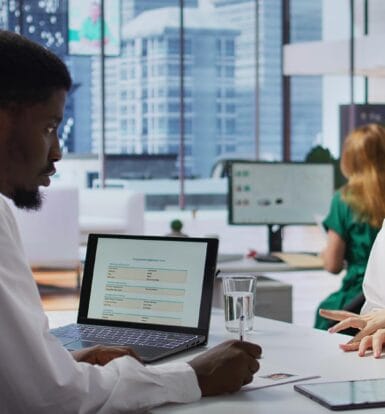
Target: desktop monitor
pixel 277 194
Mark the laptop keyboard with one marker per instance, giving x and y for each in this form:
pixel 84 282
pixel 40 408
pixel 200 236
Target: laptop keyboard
pixel 125 336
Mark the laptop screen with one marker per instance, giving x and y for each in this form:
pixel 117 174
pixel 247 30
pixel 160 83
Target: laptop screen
pixel 148 280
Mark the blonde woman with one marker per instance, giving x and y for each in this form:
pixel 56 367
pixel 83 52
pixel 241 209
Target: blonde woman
pixel 356 215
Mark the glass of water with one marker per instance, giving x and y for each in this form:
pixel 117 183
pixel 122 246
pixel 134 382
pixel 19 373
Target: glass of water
pixel 239 297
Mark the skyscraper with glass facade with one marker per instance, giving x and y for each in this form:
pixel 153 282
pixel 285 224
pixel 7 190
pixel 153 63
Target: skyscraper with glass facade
pixel 132 8
pixel 306 91
pixel 143 91
pixel 259 76
pixel 233 79
pixel 3 15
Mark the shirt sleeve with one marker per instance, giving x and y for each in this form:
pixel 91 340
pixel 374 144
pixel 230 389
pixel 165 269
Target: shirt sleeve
pixel 46 378
pixel 132 387
pixel 374 279
pixel 336 218
pixel 38 375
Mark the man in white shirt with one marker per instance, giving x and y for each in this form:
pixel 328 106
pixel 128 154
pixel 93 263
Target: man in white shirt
pixel 37 375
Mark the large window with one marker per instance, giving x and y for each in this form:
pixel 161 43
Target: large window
pixel 128 101
pixel 306 91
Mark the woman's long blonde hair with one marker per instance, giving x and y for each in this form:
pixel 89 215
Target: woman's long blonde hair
pixel 363 164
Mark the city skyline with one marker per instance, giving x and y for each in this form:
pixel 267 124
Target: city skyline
pixel 224 120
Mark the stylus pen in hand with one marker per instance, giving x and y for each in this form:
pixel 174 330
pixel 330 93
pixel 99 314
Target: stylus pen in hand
pixel 241 327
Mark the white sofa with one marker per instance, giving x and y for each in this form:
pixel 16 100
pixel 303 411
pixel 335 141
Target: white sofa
pixel 110 211
pixel 51 235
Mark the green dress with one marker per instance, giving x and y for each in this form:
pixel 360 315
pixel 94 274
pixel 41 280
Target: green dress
pixel 91 30
pixel 359 238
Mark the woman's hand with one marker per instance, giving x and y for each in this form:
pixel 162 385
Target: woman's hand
pixel 371 326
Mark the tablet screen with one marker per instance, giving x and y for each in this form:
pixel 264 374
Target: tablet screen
pixel 344 395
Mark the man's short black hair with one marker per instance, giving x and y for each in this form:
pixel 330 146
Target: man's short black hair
pixel 29 73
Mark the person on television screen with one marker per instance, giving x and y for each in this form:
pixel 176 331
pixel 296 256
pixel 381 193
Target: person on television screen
pixel 355 217
pixel 37 374
pixel 90 31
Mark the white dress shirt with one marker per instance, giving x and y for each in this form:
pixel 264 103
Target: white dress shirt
pixel 37 375
pixel 374 280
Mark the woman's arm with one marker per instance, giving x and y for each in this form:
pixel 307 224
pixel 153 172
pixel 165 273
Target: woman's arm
pixel 334 253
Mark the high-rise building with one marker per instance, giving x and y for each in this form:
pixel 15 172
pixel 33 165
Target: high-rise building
pixel 3 15
pixel 143 94
pixel 242 14
pixel 259 74
pixel 306 91
pixel 80 126
pixel 242 56
pixel 132 8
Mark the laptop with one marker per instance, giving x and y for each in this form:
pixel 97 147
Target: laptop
pixel 150 293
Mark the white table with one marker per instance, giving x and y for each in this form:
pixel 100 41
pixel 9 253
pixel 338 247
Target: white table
pixel 247 265
pixel 310 285
pixel 250 265
pixel 289 347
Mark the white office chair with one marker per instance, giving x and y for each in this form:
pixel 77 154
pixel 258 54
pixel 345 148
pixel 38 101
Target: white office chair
pixel 51 235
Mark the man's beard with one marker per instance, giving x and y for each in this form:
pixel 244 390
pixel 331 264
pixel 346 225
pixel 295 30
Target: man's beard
pixel 28 200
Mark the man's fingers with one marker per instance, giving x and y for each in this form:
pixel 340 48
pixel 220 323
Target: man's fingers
pixel 253 350
pixel 335 315
pixel 119 351
pixel 134 354
pixel 226 367
pixel 253 365
pixel 131 352
pixel 248 379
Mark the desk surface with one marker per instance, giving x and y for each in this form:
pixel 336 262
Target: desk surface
pixel 289 347
pixel 293 261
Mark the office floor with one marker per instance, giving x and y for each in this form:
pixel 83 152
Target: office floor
pixel 58 289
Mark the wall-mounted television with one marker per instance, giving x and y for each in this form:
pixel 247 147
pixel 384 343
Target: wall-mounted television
pixel 84 27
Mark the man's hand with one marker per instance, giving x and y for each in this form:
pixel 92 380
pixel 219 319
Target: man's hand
pixel 226 367
pixel 371 335
pixel 102 355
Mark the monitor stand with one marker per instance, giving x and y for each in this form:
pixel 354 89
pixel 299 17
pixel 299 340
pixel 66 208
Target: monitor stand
pixel 275 237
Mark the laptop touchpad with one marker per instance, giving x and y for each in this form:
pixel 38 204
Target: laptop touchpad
pixel 80 344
